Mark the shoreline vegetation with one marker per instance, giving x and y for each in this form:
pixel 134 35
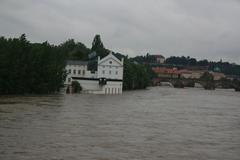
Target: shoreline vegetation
pixel 39 68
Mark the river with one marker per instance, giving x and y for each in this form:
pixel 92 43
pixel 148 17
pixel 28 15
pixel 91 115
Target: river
pixel 157 123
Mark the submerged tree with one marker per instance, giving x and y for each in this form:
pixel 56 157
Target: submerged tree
pixel 208 81
pixel 76 87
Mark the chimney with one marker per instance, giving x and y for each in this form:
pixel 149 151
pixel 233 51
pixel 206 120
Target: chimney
pixel 98 59
pixel 122 60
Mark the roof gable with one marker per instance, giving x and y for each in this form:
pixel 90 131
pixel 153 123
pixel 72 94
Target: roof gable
pixel 112 57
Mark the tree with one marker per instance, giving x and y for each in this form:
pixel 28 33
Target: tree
pixel 97 43
pixel 30 67
pixel 98 47
pixel 74 51
pixel 135 76
pixel 208 80
pixel 76 87
pixel 207 77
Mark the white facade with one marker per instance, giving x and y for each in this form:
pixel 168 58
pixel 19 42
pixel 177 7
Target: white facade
pixel 160 60
pixel 77 69
pixel 109 68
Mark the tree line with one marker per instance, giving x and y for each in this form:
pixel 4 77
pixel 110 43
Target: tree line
pixel 182 61
pixel 224 67
pixel 30 67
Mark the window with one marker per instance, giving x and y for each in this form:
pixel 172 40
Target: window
pixel 116 67
pixel 79 71
pixel 83 72
pixel 103 72
pixel 69 71
pixel 69 79
pixel 112 91
pixel 110 62
pixel 103 66
pixel 110 66
pixel 116 72
pixel 74 71
pixel 110 72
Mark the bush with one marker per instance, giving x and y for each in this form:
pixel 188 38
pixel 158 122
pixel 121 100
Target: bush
pixel 76 87
pixel 208 80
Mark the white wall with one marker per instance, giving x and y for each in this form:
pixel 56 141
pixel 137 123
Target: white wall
pixel 92 86
pixel 110 67
pixel 80 71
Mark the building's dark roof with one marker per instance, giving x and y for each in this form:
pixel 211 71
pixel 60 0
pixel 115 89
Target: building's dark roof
pixel 76 62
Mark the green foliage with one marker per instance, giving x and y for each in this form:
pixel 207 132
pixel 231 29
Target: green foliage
pixel 181 61
pixel 30 68
pixel 148 59
pixel 207 77
pixel 135 76
pixel 236 84
pixel 208 80
pixel 98 47
pixel 76 87
pixel 74 51
pixel 97 43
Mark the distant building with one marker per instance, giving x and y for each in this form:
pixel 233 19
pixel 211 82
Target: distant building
pixel 217 76
pixel 164 72
pixel 107 79
pixel 191 74
pixel 159 58
pixel 196 74
pixel 186 74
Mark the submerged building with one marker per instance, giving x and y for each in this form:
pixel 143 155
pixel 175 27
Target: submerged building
pixel 106 79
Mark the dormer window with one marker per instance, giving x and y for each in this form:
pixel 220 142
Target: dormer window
pixel 110 62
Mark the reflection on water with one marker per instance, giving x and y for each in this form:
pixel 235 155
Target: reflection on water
pixel 158 123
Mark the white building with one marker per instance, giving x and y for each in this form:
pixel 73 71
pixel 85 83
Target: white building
pixel 106 80
pixel 159 58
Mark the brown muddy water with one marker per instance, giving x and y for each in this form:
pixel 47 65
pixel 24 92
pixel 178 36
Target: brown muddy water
pixel 158 123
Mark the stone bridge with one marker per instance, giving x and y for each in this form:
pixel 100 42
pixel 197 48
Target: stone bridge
pixel 186 82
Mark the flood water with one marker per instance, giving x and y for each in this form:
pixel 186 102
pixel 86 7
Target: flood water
pixel 158 123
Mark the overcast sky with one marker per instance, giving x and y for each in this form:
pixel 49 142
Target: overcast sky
pixel 198 28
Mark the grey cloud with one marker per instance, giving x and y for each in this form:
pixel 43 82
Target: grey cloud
pixel 202 29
